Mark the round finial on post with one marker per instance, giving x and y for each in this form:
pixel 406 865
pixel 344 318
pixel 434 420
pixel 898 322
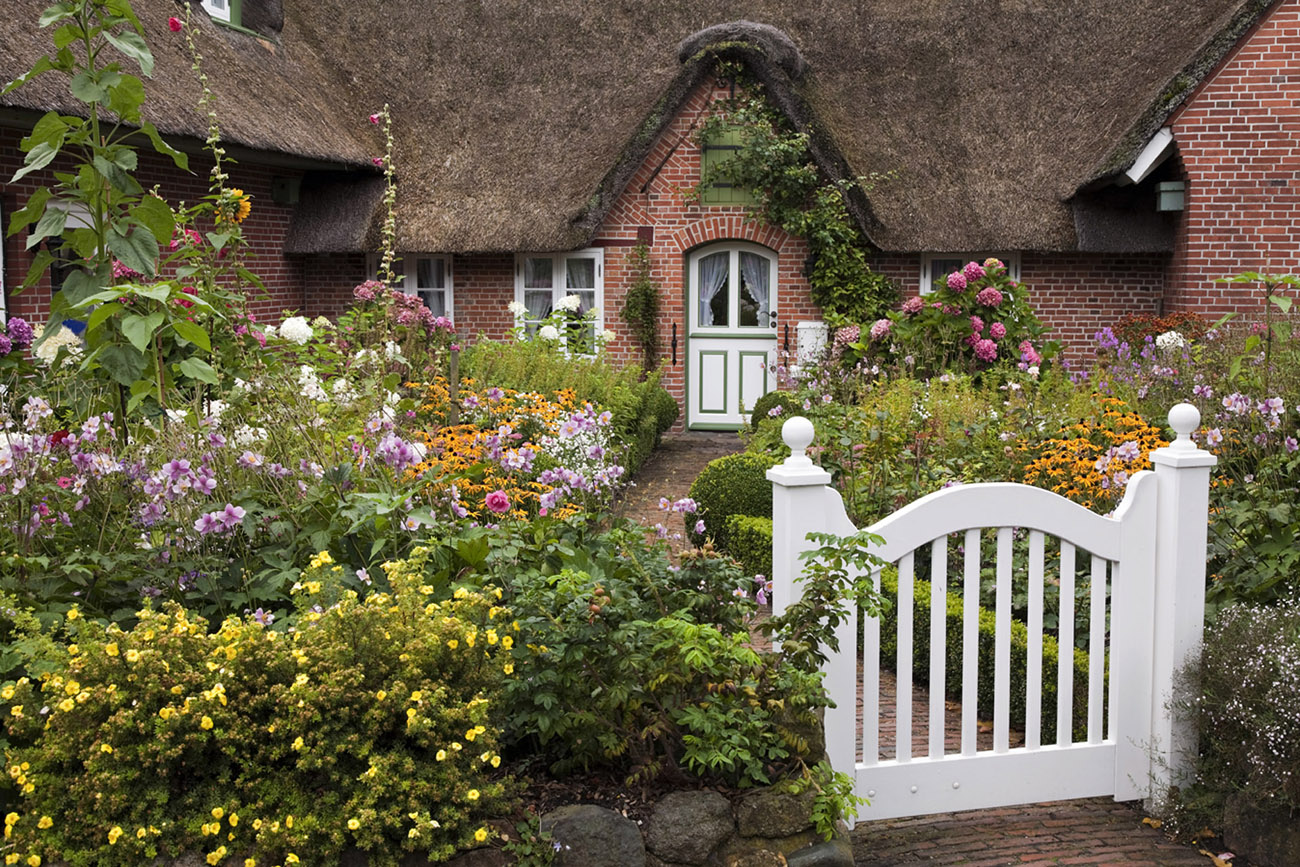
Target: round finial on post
pixel 797 432
pixel 1184 418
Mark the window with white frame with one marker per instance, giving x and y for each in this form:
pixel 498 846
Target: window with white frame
pixel 426 276
pixel 937 266
pixel 219 9
pixel 542 280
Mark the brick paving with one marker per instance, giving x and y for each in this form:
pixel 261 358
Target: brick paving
pixel 1090 832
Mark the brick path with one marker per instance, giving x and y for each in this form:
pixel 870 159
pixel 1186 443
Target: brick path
pixel 1091 832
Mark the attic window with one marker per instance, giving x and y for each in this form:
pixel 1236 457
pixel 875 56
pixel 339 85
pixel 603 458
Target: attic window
pixel 714 153
pixel 223 10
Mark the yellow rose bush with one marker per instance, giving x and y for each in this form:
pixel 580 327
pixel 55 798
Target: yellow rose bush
pixel 367 723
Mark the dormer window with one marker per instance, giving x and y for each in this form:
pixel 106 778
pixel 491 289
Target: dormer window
pixel 221 10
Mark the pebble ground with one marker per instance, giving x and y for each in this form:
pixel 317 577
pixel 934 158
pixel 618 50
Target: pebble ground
pixel 1090 832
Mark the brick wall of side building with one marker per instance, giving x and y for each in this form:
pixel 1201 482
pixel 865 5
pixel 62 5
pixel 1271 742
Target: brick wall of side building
pixel 1238 139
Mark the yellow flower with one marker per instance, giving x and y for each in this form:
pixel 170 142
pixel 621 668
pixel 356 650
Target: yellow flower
pixel 354 824
pixel 114 834
pixel 217 812
pixel 12 818
pixel 291 858
pixel 7 693
pixel 166 712
pixel 508 668
pixel 233 820
pixel 250 862
pixel 453 643
pixel 472 794
pixel 67 704
pixel 33 861
pixel 111 648
pixel 45 822
pixel 12 858
pixel 205 723
pixel 481 835
pixel 106 748
pixel 73 613
pixel 297 743
pixel 507 642
pixel 133 655
pixel 381 695
pixel 441 755
pixel 140 833
pixel 415 696
pixel 288 821
pixel 496 761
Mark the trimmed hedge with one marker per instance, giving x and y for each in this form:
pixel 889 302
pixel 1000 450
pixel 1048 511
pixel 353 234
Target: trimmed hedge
pixel 750 542
pixel 987 631
pixel 784 399
pixel 731 485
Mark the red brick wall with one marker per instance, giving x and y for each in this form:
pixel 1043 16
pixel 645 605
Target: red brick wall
pixel 264 229
pixel 1239 141
pixel 1074 294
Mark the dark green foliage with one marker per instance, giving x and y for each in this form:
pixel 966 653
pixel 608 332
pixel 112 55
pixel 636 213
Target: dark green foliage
pixel 749 540
pixel 776 166
pixel 731 485
pixel 641 304
pixel 987 631
pixel 764 405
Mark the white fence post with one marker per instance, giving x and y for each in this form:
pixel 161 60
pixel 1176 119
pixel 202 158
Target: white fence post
pixel 802 504
pixel 1183 471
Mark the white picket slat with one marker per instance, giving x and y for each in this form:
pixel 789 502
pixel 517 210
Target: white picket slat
pixel 1034 653
pixel 970 638
pixel 1096 649
pixel 903 671
pixel 938 641
pixel 871 684
pixel 1002 646
pixel 1065 645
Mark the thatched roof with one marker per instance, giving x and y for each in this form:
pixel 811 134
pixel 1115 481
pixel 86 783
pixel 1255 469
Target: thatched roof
pixel 516 121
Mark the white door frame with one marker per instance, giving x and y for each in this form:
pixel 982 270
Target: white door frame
pixel 728 366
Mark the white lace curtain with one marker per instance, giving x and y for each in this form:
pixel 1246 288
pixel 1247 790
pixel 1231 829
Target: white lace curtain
pixel 714 271
pixel 754 271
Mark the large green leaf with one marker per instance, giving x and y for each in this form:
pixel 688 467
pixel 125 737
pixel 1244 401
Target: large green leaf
pixel 154 214
pixel 37 158
pixel 135 246
pixel 181 160
pixel 30 212
pixel 140 329
pixel 101 313
pixel 57 12
pixel 51 129
pixel 50 224
pixel 133 46
pixel 123 365
pixel 125 98
pixel 119 179
pixel 197 368
pixel 86 87
pixel 41 66
pixel 195 334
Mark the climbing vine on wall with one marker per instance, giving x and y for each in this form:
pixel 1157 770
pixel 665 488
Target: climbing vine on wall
pixel 641 305
pixel 775 164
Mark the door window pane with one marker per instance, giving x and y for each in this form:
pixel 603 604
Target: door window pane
pixel 714 279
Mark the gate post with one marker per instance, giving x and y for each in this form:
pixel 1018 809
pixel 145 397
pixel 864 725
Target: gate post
pixel 798 486
pixel 1183 471
pixel 802 503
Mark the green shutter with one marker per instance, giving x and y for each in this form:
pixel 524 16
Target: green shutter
pixel 716 151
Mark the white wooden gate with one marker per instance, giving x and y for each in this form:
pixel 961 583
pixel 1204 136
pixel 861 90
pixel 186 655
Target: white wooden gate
pixel 1151 554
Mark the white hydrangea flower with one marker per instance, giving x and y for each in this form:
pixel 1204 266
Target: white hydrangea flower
pixel 245 435
pixel 1170 340
pixel 296 329
pixel 569 303
pixel 517 309
pixel 393 352
pixel 605 336
pixel 310 383
pixel 343 391
pixel 548 332
pixel 49 348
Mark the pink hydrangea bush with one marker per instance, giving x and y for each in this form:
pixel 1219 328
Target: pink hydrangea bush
pixel 976 320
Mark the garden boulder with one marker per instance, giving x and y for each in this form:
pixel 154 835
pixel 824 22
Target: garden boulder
pixel 591 836
pixel 687 826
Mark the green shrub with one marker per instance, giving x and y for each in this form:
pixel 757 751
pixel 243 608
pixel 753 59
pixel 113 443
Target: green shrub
pixel 731 485
pixel 749 540
pixel 785 400
pixel 641 409
pixel 616 671
pixel 987 632
pixel 369 725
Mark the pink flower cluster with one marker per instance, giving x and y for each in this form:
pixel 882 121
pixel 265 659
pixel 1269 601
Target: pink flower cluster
pixel 124 272
pixel 1028 355
pixel 972 271
pixel 880 328
pixel 956 281
pixel 988 296
pixel 369 291
pixel 188 237
pixel 986 350
pixel 913 305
